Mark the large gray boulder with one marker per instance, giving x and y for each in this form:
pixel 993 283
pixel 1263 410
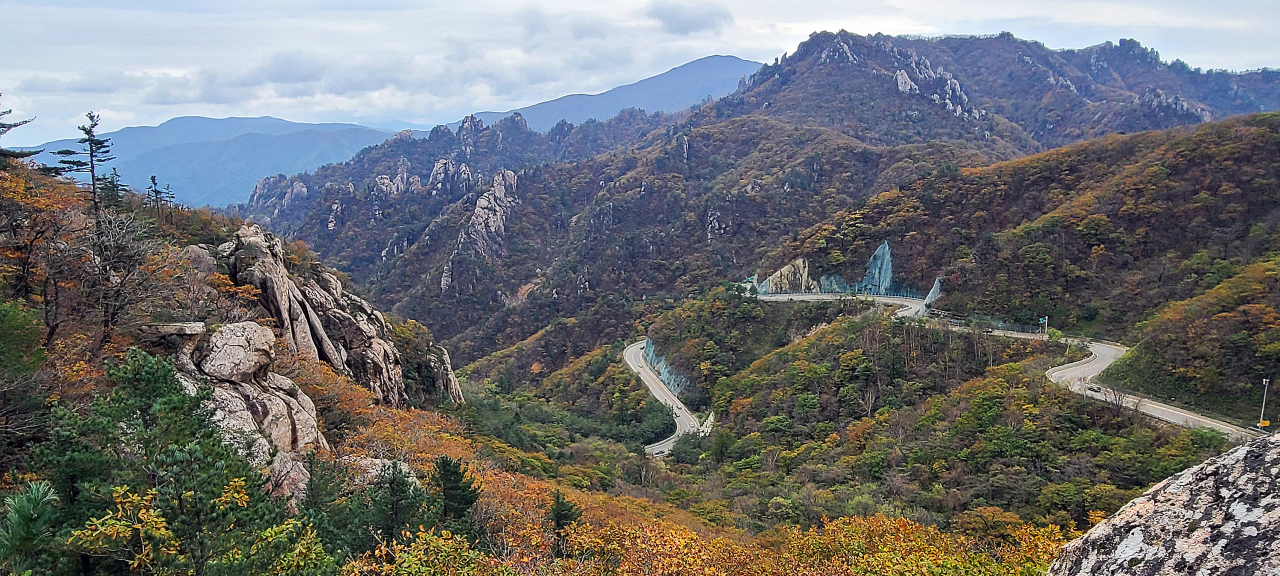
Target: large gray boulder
pixel 239 352
pixel 1221 517
pixel 264 413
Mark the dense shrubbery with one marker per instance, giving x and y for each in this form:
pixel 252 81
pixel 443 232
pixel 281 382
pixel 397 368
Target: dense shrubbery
pixel 595 396
pixel 1094 235
pixel 724 332
pixel 1212 350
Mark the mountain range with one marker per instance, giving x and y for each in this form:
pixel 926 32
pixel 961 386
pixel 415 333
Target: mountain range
pixel 215 162
pixel 571 274
pixel 686 85
pixel 842 118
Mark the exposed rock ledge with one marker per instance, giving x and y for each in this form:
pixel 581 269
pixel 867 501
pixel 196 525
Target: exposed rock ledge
pixel 1221 517
pixel 263 412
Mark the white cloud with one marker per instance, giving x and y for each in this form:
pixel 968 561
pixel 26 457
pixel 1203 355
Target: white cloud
pixel 688 17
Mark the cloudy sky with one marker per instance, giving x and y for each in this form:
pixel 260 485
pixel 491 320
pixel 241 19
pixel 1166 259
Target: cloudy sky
pixel 141 62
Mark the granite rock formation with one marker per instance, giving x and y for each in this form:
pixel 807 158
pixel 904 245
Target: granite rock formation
pixel 792 278
pixel 315 316
pixel 263 412
pixel 1220 517
pixel 484 231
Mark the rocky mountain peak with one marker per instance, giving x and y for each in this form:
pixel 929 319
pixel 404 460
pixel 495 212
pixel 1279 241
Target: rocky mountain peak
pixel 439 133
pixel 876 59
pixel 470 128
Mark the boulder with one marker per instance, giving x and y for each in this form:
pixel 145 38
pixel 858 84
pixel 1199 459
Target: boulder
pixel 201 260
pixel 1220 517
pixel 265 414
pixel 239 352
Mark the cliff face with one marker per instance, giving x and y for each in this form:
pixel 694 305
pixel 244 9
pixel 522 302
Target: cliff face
pixel 1221 517
pixel 316 317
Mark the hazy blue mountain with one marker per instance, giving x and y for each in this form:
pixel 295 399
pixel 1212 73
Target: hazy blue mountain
pixel 137 140
pixel 223 172
pixel 218 160
pixel 676 89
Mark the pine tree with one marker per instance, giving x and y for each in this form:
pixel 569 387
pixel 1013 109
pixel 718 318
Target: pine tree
pixel 151 435
pixel 394 505
pixel 5 127
pixel 25 530
pixel 561 515
pixel 159 196
pixel 456 489
pixel 111 189
pixel 96 151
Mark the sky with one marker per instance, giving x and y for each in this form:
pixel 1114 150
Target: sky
pixel 140 62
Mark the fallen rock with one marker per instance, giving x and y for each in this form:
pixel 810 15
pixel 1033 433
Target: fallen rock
pixel 1220 517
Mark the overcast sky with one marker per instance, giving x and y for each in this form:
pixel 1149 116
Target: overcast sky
pixel 141 62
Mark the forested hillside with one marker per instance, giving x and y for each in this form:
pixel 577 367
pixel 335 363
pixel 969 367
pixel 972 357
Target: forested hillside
pixel 412 362
pixel 1100 237
pixel 184 394
pixel 1095 234
pixel 1213 350
pixel 644 206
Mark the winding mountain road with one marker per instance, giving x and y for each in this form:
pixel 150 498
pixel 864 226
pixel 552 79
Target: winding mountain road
pixel 685 421
pixel 1076 376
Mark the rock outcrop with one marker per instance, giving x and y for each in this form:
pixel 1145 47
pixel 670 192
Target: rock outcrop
pixel 263 412
pixel 401 183
pixel 489 218
pixel 449 177
pixel 315 316
pixel 1220 517
pixel 446 380
pixel 484 231
pixel 792 278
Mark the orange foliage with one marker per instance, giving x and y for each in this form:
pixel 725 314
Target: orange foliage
pixel 849 546
pixel 342 405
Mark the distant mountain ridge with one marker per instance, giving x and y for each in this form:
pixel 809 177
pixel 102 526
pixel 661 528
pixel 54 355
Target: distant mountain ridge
pixel 686 85
pixel 137 140
pixel 215 161
pixel 221 172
